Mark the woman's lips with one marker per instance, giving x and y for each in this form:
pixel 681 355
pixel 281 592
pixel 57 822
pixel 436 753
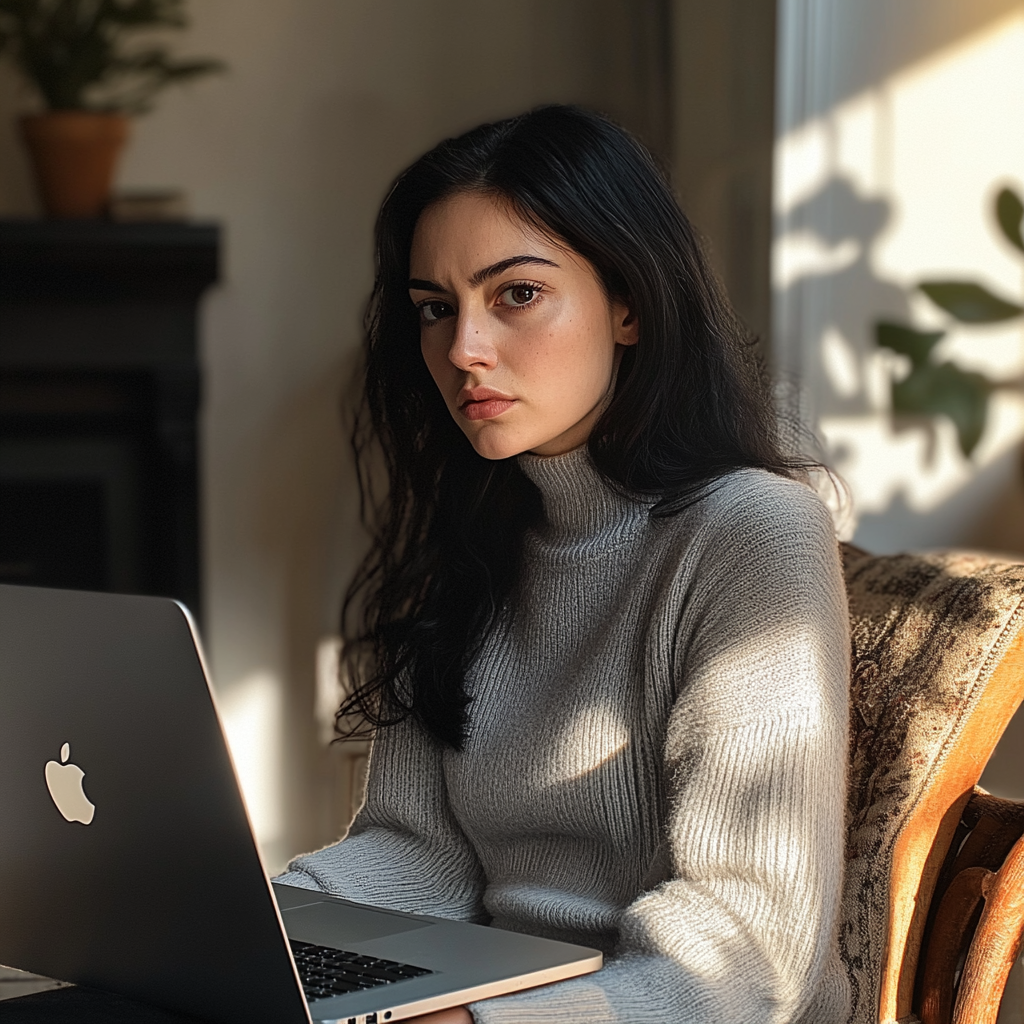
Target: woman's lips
pixel 483 403
pixel 486 409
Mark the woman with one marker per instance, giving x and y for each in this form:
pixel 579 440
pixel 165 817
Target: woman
pixel 604 631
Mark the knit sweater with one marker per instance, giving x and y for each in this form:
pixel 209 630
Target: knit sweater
pixel 655 763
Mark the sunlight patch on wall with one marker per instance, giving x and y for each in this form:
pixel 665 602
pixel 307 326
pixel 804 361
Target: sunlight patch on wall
pixel 875 456
pixel 329 690
pixel 251 713
pixel 841 364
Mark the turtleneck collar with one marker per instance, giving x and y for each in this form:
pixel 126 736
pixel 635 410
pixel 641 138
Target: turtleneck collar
pixel 583 514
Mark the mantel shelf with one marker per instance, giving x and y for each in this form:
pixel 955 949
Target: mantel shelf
pixel 96 260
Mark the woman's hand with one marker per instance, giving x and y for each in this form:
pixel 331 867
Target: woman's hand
pixel 456 1015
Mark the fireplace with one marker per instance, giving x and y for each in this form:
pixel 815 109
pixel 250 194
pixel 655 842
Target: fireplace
pixel 99 394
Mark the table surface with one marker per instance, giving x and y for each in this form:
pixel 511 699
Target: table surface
pixel 30 999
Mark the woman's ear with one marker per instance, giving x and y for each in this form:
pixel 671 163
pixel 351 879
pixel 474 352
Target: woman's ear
pixel 626 325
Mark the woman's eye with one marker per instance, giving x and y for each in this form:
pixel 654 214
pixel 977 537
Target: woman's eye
pixel 519 295
pixel 431 312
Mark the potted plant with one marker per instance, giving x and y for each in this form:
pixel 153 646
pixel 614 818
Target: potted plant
pixel 74 54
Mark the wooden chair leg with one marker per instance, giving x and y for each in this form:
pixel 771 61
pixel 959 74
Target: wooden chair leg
pixel 996 944
pixel 950 934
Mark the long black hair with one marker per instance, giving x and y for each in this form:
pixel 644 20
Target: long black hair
pixel 691 403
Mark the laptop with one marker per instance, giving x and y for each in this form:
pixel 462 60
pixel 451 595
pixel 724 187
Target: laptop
pixel 127 860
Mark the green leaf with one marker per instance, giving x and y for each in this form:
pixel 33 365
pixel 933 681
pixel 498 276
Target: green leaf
pixel 1009 213
pixel 946 390
pixel 969 302
pixel 74 52
pixel 917 345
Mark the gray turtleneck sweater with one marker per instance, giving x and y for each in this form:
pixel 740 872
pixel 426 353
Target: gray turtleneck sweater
pixel 655 764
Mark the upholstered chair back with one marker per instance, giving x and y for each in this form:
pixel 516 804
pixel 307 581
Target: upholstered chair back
pixel 937 673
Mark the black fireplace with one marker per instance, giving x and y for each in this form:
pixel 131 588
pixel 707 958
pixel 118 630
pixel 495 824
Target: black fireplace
pixel 99 393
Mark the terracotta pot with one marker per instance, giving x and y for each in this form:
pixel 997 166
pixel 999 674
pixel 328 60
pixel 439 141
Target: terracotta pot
pixel 74 154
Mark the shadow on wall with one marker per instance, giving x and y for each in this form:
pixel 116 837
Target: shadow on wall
pixel 911 486
pixel 834 230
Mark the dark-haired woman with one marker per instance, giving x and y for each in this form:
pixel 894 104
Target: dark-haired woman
pixel 603 633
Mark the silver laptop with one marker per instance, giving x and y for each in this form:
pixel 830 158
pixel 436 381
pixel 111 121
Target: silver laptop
pixel 127 860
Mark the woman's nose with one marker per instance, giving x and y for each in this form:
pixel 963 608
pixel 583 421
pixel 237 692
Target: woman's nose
pixel 472 346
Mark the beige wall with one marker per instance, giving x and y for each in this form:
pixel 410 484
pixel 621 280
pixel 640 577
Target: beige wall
pixel 292 151
pixel 722 139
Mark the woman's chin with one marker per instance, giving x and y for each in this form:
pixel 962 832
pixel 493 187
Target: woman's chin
pixel 496 452
pixel 495 445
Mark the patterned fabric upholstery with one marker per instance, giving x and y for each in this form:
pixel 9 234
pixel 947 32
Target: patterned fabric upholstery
pixel 927 632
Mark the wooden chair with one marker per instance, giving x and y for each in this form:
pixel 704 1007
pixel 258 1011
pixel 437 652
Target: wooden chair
pixel 934 896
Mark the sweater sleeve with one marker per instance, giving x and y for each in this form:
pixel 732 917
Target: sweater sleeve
pixel 405 850
pixel 741 927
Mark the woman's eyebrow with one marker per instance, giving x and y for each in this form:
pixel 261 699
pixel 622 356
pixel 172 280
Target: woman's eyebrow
pixel 420 285
pixel 486 273
pixel 502 265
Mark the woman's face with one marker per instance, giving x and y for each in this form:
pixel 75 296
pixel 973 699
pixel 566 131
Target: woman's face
pixel 517 332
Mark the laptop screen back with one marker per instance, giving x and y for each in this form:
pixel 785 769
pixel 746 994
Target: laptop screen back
pixel 126 857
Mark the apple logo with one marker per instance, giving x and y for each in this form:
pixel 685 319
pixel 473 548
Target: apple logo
pixel 64 782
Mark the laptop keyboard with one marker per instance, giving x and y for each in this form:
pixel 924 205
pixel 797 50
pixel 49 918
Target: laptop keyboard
pixel 326 972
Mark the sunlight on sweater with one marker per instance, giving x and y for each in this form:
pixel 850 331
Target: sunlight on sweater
pixel 593 737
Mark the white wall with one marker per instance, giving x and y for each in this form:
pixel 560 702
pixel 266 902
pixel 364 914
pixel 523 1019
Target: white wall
pixel 897 123
pixel 292 152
